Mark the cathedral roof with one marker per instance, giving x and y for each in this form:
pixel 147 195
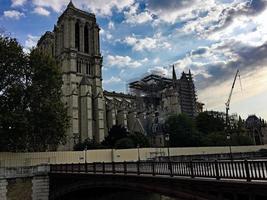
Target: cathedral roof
pixel 70 5
pixel 71 10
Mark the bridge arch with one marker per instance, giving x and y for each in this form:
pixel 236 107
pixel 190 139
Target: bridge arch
pixel 117 182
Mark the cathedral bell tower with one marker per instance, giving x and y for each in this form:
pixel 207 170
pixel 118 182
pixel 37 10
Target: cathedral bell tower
pixel 77 48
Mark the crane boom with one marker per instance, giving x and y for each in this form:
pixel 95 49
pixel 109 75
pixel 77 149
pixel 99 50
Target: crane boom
pixel 228 137
pixel 231 92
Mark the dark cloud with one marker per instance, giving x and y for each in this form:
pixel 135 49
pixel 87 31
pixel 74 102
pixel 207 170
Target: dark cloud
pixel 169 4
pixel 199 51
pixel 227 15
pixel 250 58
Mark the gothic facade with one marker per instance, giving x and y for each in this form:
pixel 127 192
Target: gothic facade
pixel 75 44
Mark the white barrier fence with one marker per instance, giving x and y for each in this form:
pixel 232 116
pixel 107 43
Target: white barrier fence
pixel 111 155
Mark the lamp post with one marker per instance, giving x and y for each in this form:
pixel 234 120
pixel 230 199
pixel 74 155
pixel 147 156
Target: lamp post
pixel 85 154
pixel 228 137
pixel 138 152
pixel 167 140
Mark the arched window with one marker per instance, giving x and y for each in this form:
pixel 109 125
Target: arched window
pixel 79 66
pixel 77 36
pixel 86 39
pixel 88 68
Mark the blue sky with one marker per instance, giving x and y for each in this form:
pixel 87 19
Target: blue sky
pixel 213 38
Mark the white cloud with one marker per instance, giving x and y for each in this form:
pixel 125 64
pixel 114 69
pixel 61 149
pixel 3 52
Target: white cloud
pixel 13 14
pixel 158 70
pixel 147 43
pixel 122 62
pixel 144 60
pixel 111 25
pixel 102 8
pixel 41 11
pixel 133 17
pixel 106 35
pixel 156 60
pixel 17 3
pixel 112 80
pixel 31 41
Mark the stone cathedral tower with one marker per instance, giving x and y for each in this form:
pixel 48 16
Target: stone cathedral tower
pixel 75 44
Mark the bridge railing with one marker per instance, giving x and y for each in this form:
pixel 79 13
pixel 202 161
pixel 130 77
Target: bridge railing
pixel 247 170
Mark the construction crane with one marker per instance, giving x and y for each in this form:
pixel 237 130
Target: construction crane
pixel 227 104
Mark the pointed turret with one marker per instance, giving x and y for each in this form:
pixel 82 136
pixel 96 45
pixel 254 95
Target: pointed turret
pixel 190 75
pixel 174 78
pixel 70 5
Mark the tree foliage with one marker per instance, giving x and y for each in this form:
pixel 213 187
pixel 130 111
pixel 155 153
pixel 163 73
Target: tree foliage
pixel 182 131
pixel 207 129
pixel 32 115
pixel 87 144
pixel 208 122
pixel 116 133
pixel 119 137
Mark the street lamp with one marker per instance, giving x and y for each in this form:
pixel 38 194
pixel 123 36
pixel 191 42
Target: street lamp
pixel 85 154
pixel 228 137
pixel 167 140
pixel 138 152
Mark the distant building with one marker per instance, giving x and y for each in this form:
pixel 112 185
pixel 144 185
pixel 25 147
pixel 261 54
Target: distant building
pixel 256 129
pixel 74 42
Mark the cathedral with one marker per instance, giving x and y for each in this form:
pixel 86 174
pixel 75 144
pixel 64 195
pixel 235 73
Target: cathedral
pixel 75 44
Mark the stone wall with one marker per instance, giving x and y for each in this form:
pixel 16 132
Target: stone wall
pixel 3 189
pixel 40 188
pixel 19 188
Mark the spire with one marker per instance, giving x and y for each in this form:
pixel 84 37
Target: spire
pixel 189 75
pixel 173 74
pixel 71 4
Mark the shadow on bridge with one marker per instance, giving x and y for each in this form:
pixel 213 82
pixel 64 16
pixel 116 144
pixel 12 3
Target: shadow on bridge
pixel 166 178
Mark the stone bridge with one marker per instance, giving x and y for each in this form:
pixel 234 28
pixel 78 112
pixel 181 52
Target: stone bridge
pixel 183 180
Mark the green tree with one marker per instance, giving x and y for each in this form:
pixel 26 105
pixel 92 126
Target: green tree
pixel 32 115
pixel 116 133
pixel 139 139
pixel 48 117
pixel 209 121
pixel 88 144
pixel 13 104
pixel 182 131
pixel 124 143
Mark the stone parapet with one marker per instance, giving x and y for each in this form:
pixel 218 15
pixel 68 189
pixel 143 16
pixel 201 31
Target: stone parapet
pixel 3 189
pixel 40 188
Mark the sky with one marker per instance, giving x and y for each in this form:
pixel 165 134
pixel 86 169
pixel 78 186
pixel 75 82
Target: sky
pixel 212 38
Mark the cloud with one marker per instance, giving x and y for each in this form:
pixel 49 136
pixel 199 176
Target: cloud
pixel 172 10
pixel 147 43
pixel 112 80
pixel 134 17
pixel 111 25
pixel 122 62
pixel 16 3
pixel 13 14
pixel 158 70
pixel 217 63
pixel 199 51
pixel 41 11
pixel 219 16
pixel 31 41
pixel 106 35
pixel 102 8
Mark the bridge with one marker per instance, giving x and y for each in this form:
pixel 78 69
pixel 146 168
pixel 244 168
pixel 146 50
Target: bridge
pixel 183 180
pixel 244 179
